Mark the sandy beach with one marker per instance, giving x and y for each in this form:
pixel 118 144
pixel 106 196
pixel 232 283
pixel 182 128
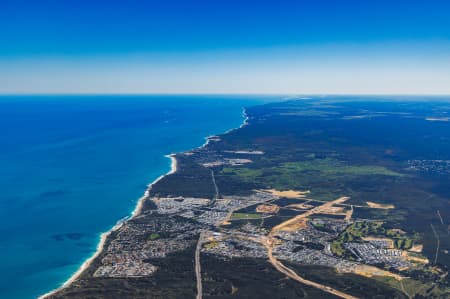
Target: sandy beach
pixel 104 236
pixel 173 169
pixel 136 212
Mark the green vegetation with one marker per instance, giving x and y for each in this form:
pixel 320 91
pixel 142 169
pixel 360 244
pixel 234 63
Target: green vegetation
pixel 154 236
pixel 414 287
pixel 250 278
pixel 417 254
pixel 337 247
pixel 244 173
pixel 237 216
pixel 333 167
pixel 326 148
pixel 304 174
pixel 351 284
pixel 317 225
pixel 320 226
pixel 362 229
pixel 211 245
pixel 402 241
pixel 358 230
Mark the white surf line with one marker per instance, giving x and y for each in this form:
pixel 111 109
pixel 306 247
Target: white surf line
pixel 173 169
pixel 243 124
pixel 105 235
pixel 136 212
pixel 86 263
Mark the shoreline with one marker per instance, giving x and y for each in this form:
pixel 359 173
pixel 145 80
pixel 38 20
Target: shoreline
pixel 243 124
pixel 173 169
pixel 105 235
pixel 134 213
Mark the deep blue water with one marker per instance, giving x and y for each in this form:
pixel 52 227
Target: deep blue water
pixel 71 167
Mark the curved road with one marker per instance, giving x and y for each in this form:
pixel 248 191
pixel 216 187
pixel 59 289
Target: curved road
pixel 269 242
pixel 291 274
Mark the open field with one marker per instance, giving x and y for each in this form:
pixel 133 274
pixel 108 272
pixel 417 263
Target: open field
pixel 271 209
pixel 299 221
pixel 374 205
pixel 239 216
pixel 370 271
pixel 288 193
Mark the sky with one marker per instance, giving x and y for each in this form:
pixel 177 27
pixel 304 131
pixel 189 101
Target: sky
pixel 233 46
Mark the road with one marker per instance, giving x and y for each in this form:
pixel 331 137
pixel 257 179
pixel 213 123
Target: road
pixel 198 270
pixel 440 217
pixel 216 195
pixel 301 218
pixel 291 274
pixel 438 242
pixel 270 241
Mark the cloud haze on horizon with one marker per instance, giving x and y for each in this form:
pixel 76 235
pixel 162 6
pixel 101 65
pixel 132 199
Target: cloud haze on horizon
pixel 287 47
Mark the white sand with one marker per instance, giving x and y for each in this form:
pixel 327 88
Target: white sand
pixel 104 236
pixel 136 211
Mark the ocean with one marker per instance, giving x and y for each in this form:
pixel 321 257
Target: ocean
pixel 72 166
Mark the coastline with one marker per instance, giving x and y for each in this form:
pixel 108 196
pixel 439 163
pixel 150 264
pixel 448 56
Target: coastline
pixel 243 124
pixel 173 169
pixel 105 235
pixel 134 213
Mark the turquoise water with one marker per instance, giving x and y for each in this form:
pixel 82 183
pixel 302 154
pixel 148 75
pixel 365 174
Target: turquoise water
pixel 71 167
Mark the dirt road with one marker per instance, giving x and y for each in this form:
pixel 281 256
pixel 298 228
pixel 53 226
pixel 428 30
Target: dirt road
pixel 291 274
pixel 296 222
pixel 293 224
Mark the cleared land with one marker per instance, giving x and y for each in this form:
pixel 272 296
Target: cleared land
pixel 288 193
pixel 299 221
pixel 374 205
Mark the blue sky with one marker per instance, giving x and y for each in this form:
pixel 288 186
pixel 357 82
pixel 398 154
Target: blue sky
pixel 174 46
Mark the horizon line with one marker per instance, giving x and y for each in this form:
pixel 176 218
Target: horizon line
pixel 223 94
